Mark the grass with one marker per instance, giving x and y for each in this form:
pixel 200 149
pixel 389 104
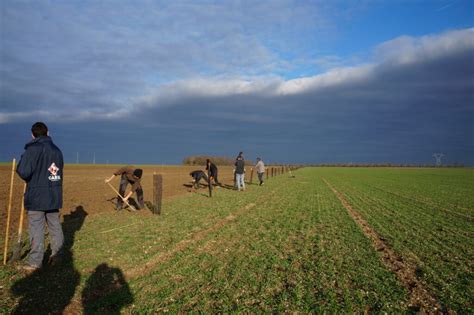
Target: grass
pixel 427 217
pixel 289 245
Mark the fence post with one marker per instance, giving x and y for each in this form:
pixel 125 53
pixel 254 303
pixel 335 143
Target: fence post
pixel 273 171
pixel 209 183
pixel 251 175
pixel 266 173
pixel 157 193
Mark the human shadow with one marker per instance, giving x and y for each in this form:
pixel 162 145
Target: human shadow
pixel 200 185
pixel 50 289
pixel 106 291
pixel 230 187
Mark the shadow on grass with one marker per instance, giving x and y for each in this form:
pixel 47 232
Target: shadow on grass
pixel 106 291
pixel 50 289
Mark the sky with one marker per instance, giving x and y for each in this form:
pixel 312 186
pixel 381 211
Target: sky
pixel 151 82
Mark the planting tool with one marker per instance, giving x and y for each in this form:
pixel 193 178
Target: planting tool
pixel 123 199
pixel 5 251
pixel 19 245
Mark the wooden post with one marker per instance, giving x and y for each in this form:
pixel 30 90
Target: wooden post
pixel 209 184
pixel 251 175
pixel 157 193
pixel 273 172
pixel 7 232
pixel 266 173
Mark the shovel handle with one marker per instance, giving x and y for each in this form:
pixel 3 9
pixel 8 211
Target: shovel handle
pixel 7 232
pixel 22 214
pixel 115 190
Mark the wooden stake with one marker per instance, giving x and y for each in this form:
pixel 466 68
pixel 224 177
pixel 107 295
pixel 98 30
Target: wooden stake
pixel 157 193
pixel 5 251
pixel 209 183
pixel 251 175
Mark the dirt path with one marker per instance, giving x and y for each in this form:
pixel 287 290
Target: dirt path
pixel 420 298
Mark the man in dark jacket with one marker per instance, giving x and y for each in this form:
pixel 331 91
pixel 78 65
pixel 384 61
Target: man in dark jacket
pixel 197 176
pixel 41 167
pixel 239 172
pixel 129 175
pixel 212 171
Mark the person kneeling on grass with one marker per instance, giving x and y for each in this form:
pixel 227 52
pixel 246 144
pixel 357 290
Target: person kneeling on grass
pixel 197 176
pixel 132 176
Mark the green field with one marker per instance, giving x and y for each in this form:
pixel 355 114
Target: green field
pixel 289 245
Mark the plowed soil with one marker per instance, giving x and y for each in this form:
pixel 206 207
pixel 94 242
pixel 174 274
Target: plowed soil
pixel 84 186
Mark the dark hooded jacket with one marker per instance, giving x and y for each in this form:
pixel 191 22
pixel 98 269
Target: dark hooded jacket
pixel 41 167
pixel 212 168
pixel 198 175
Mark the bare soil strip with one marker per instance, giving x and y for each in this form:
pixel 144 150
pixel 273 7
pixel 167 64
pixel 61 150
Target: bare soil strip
pixel 165 256
pixel 420 298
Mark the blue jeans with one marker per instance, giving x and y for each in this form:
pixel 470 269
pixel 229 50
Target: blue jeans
pixel 37 221
pixel 240 181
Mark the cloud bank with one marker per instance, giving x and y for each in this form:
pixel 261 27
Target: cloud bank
pixel 191 72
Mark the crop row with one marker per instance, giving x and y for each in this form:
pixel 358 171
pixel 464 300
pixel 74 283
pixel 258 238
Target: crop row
pixel 438 242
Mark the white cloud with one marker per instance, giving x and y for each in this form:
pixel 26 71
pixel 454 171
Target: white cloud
pixel 389 56
pixel 407 49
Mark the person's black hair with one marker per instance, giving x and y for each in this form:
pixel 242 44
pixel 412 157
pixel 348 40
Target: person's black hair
pixel 39 129
pixel 208 161
pixel 138 172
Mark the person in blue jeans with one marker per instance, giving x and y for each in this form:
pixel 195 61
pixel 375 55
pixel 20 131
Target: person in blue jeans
pixel 240 172
pixel 41 167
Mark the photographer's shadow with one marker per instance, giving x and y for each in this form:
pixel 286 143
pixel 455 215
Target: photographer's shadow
pixel 106 291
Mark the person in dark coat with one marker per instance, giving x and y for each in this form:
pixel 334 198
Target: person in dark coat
pixel 197 176
pixel 240 172
pixel 129 175
pixel 41 167
pixel 212 171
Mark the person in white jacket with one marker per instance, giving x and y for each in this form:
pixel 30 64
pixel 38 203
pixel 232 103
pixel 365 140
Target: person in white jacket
pixel 260 167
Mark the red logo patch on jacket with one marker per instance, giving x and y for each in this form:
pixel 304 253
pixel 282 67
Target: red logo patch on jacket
pixel 53 170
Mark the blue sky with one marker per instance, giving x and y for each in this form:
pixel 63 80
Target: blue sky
pixel 291 81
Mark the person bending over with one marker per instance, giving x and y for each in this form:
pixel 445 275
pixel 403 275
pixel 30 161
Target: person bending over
pixel 197 176
pixel 129 175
